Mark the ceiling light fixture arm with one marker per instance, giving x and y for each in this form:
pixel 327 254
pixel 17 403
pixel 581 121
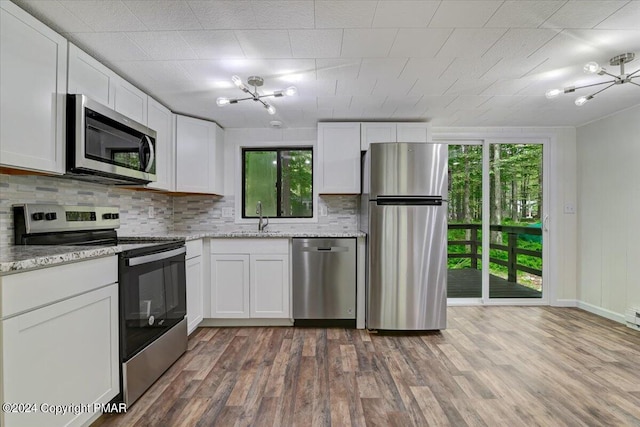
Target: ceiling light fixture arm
pixel 255 81
pixel 594 68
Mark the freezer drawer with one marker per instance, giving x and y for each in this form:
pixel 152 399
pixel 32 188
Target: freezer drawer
pixel 324 278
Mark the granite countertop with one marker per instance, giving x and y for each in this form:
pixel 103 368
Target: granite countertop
pixel 242 233
pixel 18 258
pixel 21 258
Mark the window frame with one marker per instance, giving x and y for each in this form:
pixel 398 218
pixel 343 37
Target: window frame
pixel 277 150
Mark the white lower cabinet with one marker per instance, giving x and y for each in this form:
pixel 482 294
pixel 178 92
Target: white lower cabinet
pixel 65 351
pixel 269 285
pixel 194 277
pixel 230 286
pixel 250 278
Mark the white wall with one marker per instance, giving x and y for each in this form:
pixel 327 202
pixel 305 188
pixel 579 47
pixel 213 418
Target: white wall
pixel 608 152
pixel 562 274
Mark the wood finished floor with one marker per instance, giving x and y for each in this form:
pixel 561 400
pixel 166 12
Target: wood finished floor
pixel 493 366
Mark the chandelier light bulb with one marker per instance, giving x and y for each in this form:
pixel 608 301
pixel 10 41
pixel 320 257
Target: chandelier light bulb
pixel 553 93
pixel 270 109
pixel 592 67
pixel 222 101
pixel 290 91
pixel 237 81
pixel 583 100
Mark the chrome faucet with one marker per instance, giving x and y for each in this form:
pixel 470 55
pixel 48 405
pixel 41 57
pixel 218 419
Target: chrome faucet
pixel 261 224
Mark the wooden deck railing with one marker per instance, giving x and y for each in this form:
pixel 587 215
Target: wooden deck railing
pixel 511 248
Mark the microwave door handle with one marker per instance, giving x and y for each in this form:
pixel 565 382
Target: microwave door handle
pixel 152 153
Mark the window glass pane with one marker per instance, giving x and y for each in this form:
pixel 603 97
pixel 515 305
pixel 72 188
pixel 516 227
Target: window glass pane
pixel 297 195
pixel 280 178
pixel 260 173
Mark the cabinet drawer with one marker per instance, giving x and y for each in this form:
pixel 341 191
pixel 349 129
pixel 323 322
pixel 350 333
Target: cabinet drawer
pixel 25 291
pixel 253 246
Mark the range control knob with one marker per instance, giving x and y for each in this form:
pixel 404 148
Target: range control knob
pixel 107 216
pixel 50 216
pixel 115 216
pixel 37 216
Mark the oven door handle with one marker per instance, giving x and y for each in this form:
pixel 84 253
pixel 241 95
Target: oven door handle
pixel 145 259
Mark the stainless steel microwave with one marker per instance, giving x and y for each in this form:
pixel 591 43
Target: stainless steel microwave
pixel 106 146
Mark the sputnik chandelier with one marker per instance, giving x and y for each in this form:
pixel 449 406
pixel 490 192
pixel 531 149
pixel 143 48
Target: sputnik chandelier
pixel 595 68
pixel 256 82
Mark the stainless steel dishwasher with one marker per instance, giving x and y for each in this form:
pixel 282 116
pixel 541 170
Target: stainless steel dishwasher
pixel 324 281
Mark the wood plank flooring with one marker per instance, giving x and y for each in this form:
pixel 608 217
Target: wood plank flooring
pixel 493 366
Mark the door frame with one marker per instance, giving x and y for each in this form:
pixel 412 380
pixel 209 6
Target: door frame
pixel 549 263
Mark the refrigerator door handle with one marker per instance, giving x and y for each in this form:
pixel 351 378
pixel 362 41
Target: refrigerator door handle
pixel 410 200
pixel 545 223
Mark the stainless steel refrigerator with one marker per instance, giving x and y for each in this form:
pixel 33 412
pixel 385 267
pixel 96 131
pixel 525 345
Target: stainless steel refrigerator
pixel 404 212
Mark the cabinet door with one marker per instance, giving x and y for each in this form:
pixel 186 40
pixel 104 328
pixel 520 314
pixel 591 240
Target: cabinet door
pixel 63 353
pixel 376 132
pixel 270 286
pixel 216 159
pixel 130 101
pixel 33 84
pixel 230 286
pixel 339 158
pixel 160 119
pixel 192 155
pixel 413 132
pixel 89 77
pixel 199 156
pixel 194 293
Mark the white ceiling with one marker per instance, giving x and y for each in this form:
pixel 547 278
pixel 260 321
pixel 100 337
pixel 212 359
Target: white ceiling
pixel 451 62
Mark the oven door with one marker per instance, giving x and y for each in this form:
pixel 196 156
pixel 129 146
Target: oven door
pixel 152 298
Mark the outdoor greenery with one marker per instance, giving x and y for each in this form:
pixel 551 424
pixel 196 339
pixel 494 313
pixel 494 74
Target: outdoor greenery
pixel 285 191
pixel 515 199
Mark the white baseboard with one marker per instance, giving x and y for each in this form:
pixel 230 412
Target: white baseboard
pixel 565 303
pixel 616 317
pixel 244 322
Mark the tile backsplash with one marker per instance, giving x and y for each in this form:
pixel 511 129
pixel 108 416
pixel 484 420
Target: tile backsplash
pixel 202 213
pixel 134 205
pixel 180 213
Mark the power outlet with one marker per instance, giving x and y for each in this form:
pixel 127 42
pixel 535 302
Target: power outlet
pixel 227 212
pixel 569 208
pixel 323 210
pixel 151 213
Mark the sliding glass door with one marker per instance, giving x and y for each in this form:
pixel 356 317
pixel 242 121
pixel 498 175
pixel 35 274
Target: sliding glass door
pixel 464 258
pixel 496 220
pixel 516 216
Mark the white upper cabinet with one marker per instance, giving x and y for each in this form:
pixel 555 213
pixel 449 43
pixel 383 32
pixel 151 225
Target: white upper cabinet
pixel 413 132
pixel 89 77
pixel 199 156
pixel 160 119
pixel 131 101
pixel 33 83
pixel 339 158
pixel 393 132
pixel 376 132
